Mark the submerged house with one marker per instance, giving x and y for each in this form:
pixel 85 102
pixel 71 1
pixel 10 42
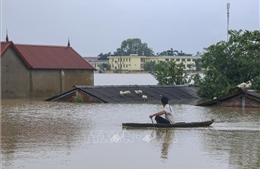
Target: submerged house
pixel 41 71
pixel 129 94
pixel 240 98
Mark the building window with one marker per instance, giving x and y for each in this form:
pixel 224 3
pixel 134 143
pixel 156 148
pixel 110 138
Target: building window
pixel 178 59
pixel 188 59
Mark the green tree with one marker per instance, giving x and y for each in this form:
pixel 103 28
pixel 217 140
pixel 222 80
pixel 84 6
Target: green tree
pixel 170 73
pixel 198 64
pixel 172 52
pixel 227 64
pixel 104 56
pixel 104 67
pixel 164 53
pixel 134 46
pixel 149 66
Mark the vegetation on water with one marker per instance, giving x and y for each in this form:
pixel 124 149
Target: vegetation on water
pixel 78 99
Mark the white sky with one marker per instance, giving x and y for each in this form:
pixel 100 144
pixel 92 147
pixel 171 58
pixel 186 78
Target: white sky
pixel 96 26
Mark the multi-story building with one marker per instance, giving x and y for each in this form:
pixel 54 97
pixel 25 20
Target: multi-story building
pixel 136 63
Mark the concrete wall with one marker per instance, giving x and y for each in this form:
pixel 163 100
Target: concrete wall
pixel 48 83
pixel 15 76
pixel 45 83
pixel 77 77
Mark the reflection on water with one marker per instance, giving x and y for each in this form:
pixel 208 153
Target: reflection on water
pixel 37 134
pixel 166 137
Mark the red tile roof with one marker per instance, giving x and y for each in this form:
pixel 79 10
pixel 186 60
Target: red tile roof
pixel 50 57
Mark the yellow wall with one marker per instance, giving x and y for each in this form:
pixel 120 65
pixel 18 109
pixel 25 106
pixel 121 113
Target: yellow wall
pixel 135 63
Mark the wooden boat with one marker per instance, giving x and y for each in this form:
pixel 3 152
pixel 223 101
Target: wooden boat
pixel 175 125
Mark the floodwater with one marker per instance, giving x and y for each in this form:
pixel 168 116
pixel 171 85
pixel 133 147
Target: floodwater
pixel 38 134
pixel 124 79
pixel 55 135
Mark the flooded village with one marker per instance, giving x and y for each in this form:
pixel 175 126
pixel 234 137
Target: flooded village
pixel 83 118
pixel 80 89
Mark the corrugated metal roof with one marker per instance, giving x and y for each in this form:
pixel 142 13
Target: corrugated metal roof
pixel 111 94
pixel 50 57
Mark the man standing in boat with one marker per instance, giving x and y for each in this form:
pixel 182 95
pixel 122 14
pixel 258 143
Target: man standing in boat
pixel 167 112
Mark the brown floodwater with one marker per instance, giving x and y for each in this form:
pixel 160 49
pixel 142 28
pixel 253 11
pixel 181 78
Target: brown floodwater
pixel 39 134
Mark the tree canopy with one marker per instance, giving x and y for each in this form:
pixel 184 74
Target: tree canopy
pixel 172 52
pixel 170 73
pixel 229 63
pixel 134 46
pixel 104 56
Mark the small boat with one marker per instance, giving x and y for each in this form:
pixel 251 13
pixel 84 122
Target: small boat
pixel 175 125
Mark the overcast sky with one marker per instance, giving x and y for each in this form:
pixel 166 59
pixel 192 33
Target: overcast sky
pixel 96 26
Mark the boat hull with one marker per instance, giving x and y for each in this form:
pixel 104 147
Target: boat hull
pixel 175 125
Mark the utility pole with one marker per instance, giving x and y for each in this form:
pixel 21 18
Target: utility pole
pixel 228 6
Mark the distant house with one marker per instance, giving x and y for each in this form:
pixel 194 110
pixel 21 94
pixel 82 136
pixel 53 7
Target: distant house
pixel 41 71
pixel 249 98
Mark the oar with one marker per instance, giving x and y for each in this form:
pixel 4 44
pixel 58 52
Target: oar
pixel 152 122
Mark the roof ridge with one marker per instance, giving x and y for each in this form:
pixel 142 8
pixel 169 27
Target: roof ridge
pixel 37 45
